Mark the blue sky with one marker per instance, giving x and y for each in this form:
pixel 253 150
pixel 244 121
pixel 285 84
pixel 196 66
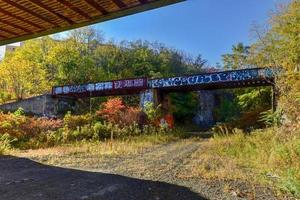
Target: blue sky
pixel 207 27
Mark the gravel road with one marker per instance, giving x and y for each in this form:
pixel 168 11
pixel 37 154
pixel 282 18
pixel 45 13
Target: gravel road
pixel 151 175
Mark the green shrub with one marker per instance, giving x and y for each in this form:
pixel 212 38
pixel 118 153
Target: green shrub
pixel 101 130
pixel 74 121
pixel 291 182
pixel 227 110
pixel 153 112
pixel 184 106
pixel 19 112
pixel 271 118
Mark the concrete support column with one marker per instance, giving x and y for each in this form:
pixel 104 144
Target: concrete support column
pixel 165 102
pixel 149 96
pixel 204 116
pixel 156 97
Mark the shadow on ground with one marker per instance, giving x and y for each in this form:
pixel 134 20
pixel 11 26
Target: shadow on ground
pixel 24 179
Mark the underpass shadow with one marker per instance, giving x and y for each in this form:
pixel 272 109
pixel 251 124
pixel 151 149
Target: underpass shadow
pixel 24 179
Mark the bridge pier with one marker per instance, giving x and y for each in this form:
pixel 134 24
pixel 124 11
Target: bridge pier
pixel 157 97
pixel 204 117
pixel 149 96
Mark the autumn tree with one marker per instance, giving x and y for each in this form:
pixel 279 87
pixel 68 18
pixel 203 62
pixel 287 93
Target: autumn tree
pixel 279 46
pixel 22 77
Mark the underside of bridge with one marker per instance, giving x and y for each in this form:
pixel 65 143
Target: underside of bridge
pixel 25 19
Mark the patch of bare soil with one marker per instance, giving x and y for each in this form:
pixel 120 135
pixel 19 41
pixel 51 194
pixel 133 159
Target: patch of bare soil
pixel 154 173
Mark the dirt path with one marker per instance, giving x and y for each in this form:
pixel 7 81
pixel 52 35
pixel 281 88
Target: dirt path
pixel 166 162
pixel 159 164
pixel 150 174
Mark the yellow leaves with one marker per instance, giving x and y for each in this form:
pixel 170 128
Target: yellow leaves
pixel 22 77
pixel 288 22
pixel 280 46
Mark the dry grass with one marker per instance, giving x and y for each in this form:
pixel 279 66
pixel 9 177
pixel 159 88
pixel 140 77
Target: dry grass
pixel 4 146
pixel 263 157
pixel 85 154
pixel 208 164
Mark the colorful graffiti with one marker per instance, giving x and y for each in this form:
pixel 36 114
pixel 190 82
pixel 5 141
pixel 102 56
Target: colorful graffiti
pixel 211 78
pixel 130 83
pixel 91 87
pixel 146 96
pixel 101 86
pixel 141 84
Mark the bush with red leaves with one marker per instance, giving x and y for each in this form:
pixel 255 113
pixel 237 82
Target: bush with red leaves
pixel 116 112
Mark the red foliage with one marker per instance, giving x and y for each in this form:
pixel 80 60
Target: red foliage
pixel 115 111
pixel 111 110
pixel 249 119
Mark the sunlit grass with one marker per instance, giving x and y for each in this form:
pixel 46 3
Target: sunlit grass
pixel 90 153
pixel 264 157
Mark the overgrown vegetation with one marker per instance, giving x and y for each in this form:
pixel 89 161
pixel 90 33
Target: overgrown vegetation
pixel 265 156
pixel 114 120
pixel 252 143
pixel 84 56
pixel 269 155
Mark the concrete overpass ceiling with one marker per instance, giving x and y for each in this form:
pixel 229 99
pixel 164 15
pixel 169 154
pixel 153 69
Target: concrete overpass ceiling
pixel 25 19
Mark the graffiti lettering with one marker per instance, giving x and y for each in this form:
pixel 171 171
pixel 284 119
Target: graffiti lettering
pixel 249 75
pixel 83 88
pixel 216 77
pixel 130 83
pixel 103 86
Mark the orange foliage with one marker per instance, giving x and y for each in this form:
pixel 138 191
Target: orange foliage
pixel 115 111
pixel 22 126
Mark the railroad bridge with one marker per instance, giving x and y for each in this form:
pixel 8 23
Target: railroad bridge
pixel 153 89
pixel 64 98
pixel 157 90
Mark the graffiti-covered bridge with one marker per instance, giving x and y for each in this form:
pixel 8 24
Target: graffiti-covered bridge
pixel 64 98
pixel 157 90
pixel 203 81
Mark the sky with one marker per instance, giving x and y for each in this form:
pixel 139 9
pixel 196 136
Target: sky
pixel 206 27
